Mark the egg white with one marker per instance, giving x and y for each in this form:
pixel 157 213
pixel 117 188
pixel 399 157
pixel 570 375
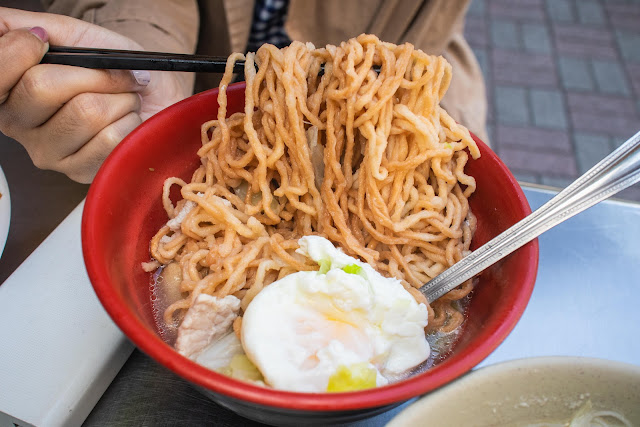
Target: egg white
pixel 299 330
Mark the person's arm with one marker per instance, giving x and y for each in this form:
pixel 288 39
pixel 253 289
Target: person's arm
pixel 70 118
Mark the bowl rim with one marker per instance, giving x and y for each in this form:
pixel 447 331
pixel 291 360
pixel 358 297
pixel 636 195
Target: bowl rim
pixel 157 349
pixel 538 365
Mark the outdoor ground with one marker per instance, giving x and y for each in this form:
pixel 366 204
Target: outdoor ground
pixel 563 82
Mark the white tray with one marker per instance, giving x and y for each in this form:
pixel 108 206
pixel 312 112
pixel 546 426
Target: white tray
pixel 60 349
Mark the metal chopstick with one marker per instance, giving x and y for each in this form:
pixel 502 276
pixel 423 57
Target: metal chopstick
pixel 115 59
pixel 136 60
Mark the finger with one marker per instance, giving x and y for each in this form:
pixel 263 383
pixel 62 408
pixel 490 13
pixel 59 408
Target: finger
pixel 44 89
pixel 19 50
pixel 75 124
pixel 83 165
pixel 66 31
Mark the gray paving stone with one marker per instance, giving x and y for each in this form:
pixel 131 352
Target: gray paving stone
pixel 598 104
pixel 491 134
pixel 610 78
pixel 483 60
pixel 584 41
pixel 590 149
pixel 490 104
pixel 475 31
pixel 534 139
pixel 575 73
pixel 587 34
pixel 629 44
pixel 617 141
pixel 630 194
pixel 477 8
pixel 556 181
pixel 590 12
pixel 548 109
pixel 504 34
pixel 633 71
pixel 560 10
pixel 523 69
pixel 623 15
pixel 584 50
pixel 603 114
pixel 527 49
pixel 526 177
pixel 511 105
pixel 544 163
pixel 620 125
pixel 523 10
pixel 536 38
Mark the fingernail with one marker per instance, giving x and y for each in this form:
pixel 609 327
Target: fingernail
pixel 142 77
pixel 41 33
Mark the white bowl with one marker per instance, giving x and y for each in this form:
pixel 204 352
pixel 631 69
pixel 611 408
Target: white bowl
pixel 533 391
pixel 5 210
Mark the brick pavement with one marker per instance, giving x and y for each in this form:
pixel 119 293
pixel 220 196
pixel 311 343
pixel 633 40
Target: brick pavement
pixel 563 82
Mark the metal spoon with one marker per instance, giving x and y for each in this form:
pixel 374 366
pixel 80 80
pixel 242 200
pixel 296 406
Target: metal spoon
pixel 614 173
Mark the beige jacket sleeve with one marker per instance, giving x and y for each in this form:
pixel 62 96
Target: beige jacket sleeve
pixel 157 25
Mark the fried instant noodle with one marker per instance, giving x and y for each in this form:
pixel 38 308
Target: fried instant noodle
pixel 365 158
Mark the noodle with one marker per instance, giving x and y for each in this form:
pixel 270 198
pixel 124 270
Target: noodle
pixel 366 159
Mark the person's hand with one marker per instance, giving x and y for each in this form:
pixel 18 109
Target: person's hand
pixel 70 118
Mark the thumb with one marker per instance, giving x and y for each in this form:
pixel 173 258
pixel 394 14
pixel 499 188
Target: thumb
pixel 65 31
pixel 19 50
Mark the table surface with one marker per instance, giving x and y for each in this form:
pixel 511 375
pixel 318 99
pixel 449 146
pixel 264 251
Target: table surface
pixel 589 268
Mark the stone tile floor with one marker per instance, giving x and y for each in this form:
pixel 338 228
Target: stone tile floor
pixel 563 82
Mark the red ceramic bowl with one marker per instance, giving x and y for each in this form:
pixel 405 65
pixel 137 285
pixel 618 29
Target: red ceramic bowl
pixel 123 211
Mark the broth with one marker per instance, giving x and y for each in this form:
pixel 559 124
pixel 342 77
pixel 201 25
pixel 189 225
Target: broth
pixel 441 344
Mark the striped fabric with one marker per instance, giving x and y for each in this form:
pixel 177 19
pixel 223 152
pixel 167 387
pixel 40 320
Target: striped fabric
pixel 268 24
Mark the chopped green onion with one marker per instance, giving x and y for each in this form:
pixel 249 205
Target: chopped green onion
pixel 359 376
pixel 325 265
pixel 352 269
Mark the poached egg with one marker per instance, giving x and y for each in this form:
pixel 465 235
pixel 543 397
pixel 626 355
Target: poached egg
pixel 344 327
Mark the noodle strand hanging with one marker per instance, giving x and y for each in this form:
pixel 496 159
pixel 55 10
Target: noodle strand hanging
pixel 366 159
